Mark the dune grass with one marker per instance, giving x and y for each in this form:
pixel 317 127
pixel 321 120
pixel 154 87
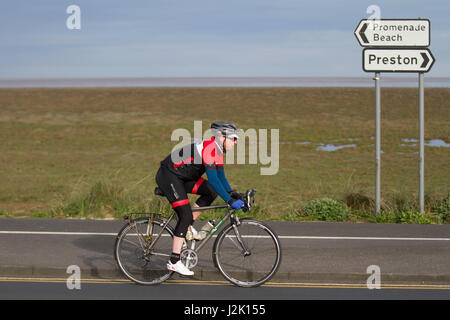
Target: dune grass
pixel 93 152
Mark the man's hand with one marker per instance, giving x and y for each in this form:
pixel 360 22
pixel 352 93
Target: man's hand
pixel 236 204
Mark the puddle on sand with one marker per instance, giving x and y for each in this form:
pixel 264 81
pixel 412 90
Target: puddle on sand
pixel 407 143
pixel 437 143
pixel 331 147
pixel 430 143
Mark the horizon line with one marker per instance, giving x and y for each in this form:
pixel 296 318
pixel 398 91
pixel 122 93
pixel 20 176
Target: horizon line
pixel 391 76
pixel 305 81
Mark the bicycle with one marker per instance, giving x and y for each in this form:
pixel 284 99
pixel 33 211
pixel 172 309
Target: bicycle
pixel 246 252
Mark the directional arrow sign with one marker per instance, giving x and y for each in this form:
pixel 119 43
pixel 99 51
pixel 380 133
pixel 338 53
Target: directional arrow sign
pixel 397 60
pixel 393 33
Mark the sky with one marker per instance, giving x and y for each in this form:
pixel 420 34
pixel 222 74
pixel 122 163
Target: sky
pixel 200 38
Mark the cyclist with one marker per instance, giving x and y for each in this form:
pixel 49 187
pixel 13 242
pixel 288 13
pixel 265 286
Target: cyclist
pixel 181 173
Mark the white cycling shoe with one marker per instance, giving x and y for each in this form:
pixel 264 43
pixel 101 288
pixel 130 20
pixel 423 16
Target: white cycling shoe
pixel 180 268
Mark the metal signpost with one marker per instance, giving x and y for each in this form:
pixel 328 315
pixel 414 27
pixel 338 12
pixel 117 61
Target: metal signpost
pixel 396 45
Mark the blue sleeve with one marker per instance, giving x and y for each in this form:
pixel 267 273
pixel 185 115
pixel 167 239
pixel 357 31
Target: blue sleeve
pixel 221 175
pixel 216 184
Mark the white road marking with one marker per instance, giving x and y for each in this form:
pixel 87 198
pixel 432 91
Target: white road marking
pixel 280 237
pixel 60 233
pixel 365 238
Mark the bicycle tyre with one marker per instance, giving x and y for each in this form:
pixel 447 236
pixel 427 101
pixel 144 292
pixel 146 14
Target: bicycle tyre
pixel 247 270
pixel 135 264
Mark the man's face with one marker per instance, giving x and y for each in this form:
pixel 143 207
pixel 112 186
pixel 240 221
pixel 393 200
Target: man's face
pixel 229 142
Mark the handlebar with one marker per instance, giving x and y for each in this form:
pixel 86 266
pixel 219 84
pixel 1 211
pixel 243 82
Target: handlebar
pixel 248 198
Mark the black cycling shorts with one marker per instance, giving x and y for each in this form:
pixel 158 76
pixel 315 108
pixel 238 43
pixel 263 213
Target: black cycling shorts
pixel 176 191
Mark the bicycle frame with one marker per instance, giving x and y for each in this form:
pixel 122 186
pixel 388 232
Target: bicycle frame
pixel 229 214
pixel 217 226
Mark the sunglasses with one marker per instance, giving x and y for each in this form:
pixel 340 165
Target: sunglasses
pixel 232 138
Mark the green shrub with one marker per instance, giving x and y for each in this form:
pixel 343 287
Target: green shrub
pixel 442 208
pixel 411 216
pixel 326 209
pixel 407 216
pixel 383 217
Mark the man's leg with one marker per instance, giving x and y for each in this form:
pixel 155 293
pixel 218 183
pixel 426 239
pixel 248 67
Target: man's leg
pixel 202 188
pixel 195 214
pixel 184 213
pixel 173 189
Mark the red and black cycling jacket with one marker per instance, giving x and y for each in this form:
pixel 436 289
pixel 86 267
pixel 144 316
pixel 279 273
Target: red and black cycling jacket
pixel 192 161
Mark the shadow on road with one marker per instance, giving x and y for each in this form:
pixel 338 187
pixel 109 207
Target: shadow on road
pixel 101 264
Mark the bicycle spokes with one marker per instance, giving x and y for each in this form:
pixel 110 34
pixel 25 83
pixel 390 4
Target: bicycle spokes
pixel 140 255
pixel 247 255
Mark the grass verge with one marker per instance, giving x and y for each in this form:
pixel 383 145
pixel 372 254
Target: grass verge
pixel 93 152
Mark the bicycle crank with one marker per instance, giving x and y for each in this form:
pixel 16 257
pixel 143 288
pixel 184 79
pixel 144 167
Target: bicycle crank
pixel 189 258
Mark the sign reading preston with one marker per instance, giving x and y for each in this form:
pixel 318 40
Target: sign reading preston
pixel 397 60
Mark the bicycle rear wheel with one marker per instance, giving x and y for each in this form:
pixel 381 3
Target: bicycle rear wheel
pixel 139 264
pixel 247 255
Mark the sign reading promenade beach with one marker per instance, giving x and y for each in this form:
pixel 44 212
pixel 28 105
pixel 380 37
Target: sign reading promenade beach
pixel 393 33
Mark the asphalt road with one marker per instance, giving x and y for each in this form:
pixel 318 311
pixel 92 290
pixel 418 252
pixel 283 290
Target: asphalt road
pixel 195 291
pixel 312 252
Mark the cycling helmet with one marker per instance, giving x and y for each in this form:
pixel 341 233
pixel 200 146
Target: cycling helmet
pixel 225 128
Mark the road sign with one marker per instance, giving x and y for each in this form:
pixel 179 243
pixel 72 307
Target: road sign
pixel 393 33
pixel 397 60
pixel 403 43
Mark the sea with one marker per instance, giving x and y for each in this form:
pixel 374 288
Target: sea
pixel 386 81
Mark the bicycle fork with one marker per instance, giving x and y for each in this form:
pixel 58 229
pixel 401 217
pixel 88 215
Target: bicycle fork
pixel 235 223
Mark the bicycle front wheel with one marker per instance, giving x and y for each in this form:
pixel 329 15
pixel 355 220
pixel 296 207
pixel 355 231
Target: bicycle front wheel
pixel 136 260
pixel 247 255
